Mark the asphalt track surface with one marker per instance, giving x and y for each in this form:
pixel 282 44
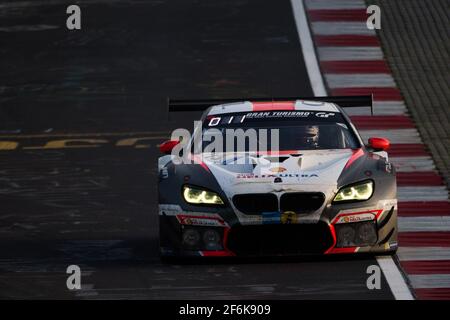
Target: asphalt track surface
pixel 91 201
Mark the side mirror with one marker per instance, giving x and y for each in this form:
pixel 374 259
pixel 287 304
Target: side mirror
pixel 379 144
pixel 167 146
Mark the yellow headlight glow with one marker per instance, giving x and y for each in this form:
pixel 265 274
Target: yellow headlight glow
pixel 199 196
pixel 361 191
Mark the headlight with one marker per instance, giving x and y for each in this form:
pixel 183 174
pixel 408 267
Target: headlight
pixel 362 191
pixel 199 196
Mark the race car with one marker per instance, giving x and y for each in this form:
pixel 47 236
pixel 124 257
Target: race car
pixel 318 189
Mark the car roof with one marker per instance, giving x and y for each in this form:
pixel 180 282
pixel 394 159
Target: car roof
pixel 297 105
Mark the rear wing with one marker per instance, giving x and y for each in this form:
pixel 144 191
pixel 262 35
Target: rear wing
pixel 175 105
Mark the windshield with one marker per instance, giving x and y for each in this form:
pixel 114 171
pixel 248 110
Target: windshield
pixel 278 130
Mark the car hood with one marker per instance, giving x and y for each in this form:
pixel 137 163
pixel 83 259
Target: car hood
pixel 312 170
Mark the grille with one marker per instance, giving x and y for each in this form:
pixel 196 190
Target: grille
pixel 279 239
pixel 298 202
pixel 254 203
pixel 301 202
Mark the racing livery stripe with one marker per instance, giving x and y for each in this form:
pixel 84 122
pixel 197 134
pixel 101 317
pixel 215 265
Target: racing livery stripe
pixel 245 106
pixel 352 62
pixel 343 250
pixel 356 154
pixel 271 106
pixel 198 160
pixel 278 105
pixel 333 249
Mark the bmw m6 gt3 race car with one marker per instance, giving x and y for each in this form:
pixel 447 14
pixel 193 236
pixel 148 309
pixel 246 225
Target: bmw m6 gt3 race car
pixel 320 191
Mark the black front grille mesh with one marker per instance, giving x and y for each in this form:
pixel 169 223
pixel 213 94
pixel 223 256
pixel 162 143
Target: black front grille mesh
pixel 301 202
pixel 256 203
pixel 298 202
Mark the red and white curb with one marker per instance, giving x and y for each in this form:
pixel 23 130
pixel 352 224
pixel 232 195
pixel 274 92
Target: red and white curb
pixel 351 61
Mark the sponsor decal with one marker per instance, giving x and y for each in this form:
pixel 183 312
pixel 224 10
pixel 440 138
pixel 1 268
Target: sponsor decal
pixel 213 121
pixel 281 175
pixel 276 217
pixel 164 173
pixel 325 114
pixel 392 245
pixel 213 221
pixel 271 217
pixel 357 216
pixel 288 217
pixel 278 114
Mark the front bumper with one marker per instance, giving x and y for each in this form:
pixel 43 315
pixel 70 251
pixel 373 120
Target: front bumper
pixel 354 230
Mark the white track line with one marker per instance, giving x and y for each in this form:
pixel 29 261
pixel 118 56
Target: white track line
pixel 394 278
pixel 390 270
pixel 309 53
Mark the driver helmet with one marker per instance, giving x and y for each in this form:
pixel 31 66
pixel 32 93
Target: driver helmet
pixel 309 136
